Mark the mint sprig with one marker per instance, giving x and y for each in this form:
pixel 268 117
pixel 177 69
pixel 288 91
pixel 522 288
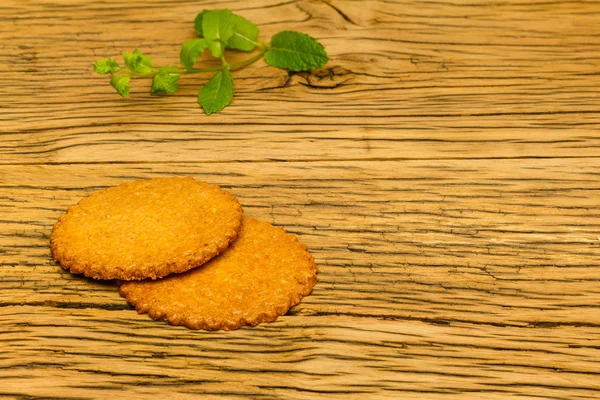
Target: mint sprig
pixel 190 51
pixel 245 34
pixel 108 66
pixel 217 26
pixel 295 51
pixel 121 84
pixel 218 31
pixel 137 62
pixel 217 93
pixel 165 82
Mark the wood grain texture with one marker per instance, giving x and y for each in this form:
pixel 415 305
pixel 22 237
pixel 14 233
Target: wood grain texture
pixel 400 245
pixel 406 79
pixel 443 169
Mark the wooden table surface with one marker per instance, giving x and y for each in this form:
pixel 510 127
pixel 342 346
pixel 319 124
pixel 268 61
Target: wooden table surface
pixel 443 168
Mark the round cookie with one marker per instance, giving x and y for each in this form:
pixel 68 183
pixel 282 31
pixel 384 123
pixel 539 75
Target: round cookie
pixel 262 274
pixel 146 229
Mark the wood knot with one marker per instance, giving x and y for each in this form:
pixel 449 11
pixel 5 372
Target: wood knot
pixel 328 78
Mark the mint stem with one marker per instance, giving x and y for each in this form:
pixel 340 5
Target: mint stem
pixel 225 63
pixel 237 65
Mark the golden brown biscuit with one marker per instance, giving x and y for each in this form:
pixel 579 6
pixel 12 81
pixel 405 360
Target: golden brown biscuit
pixel 262 274
pixel 146 229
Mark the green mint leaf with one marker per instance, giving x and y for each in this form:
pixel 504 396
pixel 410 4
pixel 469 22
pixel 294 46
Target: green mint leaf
pixel 108 66
pixel 138 62
pixel 217 29
pixel 295 51
pixel 190 51
pixel 217 93
pixel 121 84
pixel 216 48
pixel 165 82
pixel 198 23
pixel 244 35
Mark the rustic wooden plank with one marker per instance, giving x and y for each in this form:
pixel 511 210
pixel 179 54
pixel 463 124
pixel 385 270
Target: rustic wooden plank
pixel 510 243
pixel 407 79
pixel 117 353
pixel 442 168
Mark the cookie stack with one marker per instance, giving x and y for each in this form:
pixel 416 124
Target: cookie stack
pixel 182 251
